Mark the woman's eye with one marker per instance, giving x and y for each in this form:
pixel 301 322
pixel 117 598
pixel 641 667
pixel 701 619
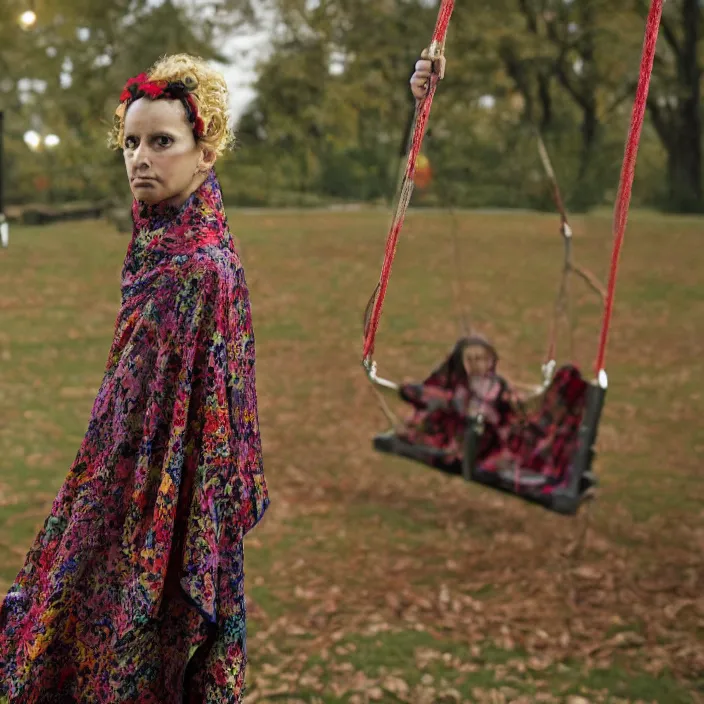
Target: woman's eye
pixel 130 143
pixel 163 140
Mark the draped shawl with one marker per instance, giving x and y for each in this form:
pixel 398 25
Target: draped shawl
pixel 140 561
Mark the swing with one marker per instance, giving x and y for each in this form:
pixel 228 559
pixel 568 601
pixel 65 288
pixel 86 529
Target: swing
pixel 545 456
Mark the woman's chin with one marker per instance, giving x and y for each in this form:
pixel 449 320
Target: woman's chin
pixel 148 194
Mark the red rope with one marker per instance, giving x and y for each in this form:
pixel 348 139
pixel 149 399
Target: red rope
pixel 628 169
pixel 406 189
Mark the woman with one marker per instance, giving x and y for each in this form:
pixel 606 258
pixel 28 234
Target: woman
pixel 133 590
pixel 465 384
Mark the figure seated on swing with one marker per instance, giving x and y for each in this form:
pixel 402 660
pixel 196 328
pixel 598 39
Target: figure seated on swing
pixel 466 394
pixel 466 385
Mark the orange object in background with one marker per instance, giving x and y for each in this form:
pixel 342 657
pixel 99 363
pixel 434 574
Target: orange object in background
pixel 41 182
pixel 424 173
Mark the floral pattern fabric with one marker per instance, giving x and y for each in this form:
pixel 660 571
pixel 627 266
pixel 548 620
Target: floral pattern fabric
pixel 133 591
pixel 440 417
pixel 546 440
pixel 543 441
pixel 444 401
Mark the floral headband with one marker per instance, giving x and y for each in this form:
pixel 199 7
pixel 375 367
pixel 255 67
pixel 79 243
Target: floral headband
pixel 140 86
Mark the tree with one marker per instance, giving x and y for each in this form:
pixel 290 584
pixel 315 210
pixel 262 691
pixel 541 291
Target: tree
pixel 78 57
pixel 675 101
pixel 333 95
pixel 584 48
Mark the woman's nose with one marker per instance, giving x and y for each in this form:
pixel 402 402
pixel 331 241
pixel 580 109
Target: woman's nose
pixel 141 155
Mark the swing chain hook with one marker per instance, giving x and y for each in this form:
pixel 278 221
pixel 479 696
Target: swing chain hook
pixel 548 370
pixel 371 370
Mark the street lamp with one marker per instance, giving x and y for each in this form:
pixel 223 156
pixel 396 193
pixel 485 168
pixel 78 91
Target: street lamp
pixel 33 140
pixel 51 141
pixel 36 142
pixel 47 143
pixel 4 227
pixel 28 19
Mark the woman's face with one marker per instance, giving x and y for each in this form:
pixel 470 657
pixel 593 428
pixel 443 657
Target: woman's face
pixel 477 360
pixel 163 160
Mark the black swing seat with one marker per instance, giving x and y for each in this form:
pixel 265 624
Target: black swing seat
pixel 562 489
pixel 536 488
pixel 390 443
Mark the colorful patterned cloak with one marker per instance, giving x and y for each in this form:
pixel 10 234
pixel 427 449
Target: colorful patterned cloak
pixel 133 590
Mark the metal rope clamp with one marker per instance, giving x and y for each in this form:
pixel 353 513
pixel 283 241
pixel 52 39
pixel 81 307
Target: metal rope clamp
pixel 436 54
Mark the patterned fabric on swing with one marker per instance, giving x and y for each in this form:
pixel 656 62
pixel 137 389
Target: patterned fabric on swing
pixel 546 440
pixel 443 402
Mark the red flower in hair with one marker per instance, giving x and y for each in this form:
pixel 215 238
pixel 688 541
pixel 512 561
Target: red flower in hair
pixel 156 89
pixel 136 80
pixel 153 89
pixel 139 78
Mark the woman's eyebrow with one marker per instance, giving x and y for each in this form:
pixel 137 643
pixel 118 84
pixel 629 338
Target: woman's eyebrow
pixel 153 133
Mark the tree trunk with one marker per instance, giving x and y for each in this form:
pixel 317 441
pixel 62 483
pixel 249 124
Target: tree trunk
pixel 545 101
pixel 585 193
pixel 684 160
pixel 677 116
pixel 684 173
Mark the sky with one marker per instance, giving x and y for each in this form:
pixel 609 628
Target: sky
pixel 240 74
pixel 244 51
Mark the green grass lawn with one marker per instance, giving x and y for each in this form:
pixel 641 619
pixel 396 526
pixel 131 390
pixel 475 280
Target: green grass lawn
pixel 372 579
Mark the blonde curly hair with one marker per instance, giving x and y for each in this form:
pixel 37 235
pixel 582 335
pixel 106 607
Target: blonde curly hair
pixel 209 92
